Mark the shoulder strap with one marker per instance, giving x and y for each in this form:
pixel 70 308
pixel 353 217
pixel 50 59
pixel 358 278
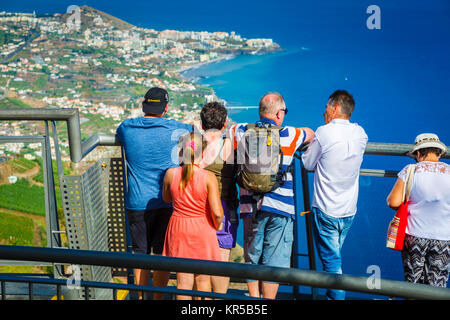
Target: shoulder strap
pixel 222 143
pixel 269 125
pixel 409 181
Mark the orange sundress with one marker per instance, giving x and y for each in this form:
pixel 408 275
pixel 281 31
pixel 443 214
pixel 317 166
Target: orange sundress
pixel 190 233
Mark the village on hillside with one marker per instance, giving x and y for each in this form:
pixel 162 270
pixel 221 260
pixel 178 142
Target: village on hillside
pixel 90 60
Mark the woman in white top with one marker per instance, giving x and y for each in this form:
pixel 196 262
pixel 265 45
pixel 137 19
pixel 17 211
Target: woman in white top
pixel 426 252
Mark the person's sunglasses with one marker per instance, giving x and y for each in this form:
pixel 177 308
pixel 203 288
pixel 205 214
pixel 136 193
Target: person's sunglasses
pixel 285 110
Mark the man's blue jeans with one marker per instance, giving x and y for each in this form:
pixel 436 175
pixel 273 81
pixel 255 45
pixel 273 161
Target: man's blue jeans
pixel 329 235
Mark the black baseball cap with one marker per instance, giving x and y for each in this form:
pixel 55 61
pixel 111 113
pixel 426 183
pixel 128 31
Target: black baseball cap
pixel 155 101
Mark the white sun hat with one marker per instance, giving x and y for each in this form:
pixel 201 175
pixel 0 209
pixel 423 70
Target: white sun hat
pixel 428 140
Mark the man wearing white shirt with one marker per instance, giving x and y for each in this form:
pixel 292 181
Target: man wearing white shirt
pixel 335 155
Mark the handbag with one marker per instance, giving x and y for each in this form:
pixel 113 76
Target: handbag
pixel 397 226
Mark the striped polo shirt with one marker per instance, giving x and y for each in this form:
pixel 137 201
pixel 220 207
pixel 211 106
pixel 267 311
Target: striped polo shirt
pixel 281 200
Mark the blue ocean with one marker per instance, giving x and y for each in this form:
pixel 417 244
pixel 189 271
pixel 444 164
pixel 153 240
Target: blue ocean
pixel 398 75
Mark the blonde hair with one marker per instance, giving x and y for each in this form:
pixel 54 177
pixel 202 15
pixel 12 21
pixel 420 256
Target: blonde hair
pixel 191 147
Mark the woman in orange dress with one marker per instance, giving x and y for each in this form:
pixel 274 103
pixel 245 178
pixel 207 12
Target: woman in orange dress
pixel 197 213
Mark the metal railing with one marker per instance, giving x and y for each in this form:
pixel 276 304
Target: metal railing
pixel 79 149
pixel 291 276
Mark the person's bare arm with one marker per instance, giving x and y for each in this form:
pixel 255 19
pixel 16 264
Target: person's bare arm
pixel 214 200
pixel 309 134
pixel 167 196
pixel 395 198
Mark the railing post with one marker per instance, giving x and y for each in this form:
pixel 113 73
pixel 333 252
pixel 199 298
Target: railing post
pixel 309 231
pixel 53 235
pixel 130 272
pixel 3 290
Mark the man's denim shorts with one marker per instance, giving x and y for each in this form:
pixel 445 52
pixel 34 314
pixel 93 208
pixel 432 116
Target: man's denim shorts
pixel 268 239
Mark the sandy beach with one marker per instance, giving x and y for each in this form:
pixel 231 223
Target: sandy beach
pixel 186 68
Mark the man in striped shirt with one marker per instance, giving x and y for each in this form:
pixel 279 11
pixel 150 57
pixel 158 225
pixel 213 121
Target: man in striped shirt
pixel 268 235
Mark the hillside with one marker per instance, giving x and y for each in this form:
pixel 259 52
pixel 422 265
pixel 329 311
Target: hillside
pixel 103 66
pixel 88 14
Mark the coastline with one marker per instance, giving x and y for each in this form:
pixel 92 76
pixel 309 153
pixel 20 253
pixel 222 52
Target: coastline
pixel 228 56
pixel 187 68
pixel 259 52
pixel 196 79
pixel 184 72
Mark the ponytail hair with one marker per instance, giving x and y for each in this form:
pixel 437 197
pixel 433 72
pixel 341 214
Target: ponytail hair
pixel 191 149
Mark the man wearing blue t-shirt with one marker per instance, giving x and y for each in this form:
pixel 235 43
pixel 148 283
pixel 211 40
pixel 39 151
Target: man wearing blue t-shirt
pixel 148 143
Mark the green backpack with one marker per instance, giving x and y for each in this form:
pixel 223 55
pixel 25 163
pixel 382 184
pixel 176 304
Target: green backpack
pixel 259 159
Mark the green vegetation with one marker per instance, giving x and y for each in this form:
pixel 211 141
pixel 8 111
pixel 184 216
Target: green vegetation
pixel 22 231
pixel 20 85
pixel 22 196
pixel 13 103
pixel 40 176
pixel 97 123
pixel 6 37
pixel 186 98
pixel 137 91
pixel 62 60
pixel 3 81
pixel 110 64
pixel 40 83
pixel 16 230
pixel 21 165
